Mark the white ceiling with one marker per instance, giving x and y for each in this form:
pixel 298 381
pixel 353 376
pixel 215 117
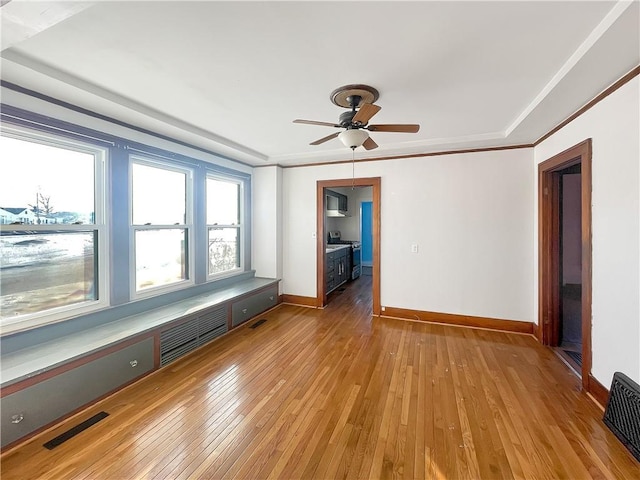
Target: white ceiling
pixel 231 76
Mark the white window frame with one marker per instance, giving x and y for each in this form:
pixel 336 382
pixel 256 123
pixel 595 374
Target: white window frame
pixel 240 226
pixel 100 227
pixel 187 226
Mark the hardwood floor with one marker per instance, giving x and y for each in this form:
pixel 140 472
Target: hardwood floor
pixel 335 393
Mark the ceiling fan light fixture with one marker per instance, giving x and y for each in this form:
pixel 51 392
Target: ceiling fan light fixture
pixel 353 138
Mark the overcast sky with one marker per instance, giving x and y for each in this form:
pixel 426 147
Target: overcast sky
pixel 66 176
pixel 26 168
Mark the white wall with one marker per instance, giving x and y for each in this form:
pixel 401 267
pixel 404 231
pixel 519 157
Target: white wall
pixel 614 127
pixel 470 214
pixel 267 222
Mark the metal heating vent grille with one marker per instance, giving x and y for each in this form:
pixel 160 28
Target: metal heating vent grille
pixel 181 339
pixel 212 325
pixel 622 415
pixel 168 357
pixel 177 336
pixel 211 321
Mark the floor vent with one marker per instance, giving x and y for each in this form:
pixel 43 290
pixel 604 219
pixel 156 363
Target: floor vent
pixel 258 323
pixel 72 432
pixel 622 415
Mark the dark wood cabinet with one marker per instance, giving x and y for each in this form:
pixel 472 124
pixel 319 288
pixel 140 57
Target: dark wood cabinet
pixel 337 270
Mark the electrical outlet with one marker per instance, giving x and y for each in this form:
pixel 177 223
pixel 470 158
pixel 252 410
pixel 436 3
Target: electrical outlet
pixel 414 248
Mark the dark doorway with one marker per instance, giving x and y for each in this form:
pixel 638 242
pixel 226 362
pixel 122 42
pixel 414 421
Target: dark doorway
pixel 564 283
pixel 570 264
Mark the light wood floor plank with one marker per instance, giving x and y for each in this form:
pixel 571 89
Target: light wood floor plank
pixel 337 393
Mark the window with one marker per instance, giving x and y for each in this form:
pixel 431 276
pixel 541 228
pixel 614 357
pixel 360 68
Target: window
pixel 52 231
pixel 161 225
pixel 224 214
pixel 89 220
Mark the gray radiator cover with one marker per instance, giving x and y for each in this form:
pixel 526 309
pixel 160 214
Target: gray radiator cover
pixel 53 398
pixel 182 339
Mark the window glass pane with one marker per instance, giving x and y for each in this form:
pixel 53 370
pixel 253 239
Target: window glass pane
pixel 46 270
pixel 159 196
pixel 42 184
pixel 224 250
pixel 222 202
pixel 161 257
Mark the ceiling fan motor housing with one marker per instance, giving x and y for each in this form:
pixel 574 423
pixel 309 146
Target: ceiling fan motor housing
pixel 346 118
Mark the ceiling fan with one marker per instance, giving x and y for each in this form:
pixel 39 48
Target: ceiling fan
pixel 359 99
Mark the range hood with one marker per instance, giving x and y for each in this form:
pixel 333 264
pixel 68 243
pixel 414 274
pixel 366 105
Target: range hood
pixel 336 213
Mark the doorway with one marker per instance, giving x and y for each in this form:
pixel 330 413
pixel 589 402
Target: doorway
pixel 570 318
pixel 564 196
pixel 322 232
pixel 366 236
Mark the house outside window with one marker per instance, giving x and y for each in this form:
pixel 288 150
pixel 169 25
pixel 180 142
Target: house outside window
pixel 53 256
pixel 161 224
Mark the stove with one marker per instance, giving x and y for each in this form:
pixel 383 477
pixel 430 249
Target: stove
pixel 335 238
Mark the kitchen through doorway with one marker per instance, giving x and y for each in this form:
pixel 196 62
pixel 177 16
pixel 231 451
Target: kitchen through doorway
pixel 340 206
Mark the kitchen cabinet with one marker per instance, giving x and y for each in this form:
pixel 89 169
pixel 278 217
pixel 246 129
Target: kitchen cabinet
pixel 337 271
pixel 342 202
pixel 341 266
pixel 336 204
pixel 330 271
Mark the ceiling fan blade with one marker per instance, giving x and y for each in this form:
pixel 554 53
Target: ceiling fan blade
pixel 369 144
pixel 313 122
pixel 364 114
pixel 406 128
pixel 325 139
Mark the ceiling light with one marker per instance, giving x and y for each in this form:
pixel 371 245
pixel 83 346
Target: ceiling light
pixel 353 138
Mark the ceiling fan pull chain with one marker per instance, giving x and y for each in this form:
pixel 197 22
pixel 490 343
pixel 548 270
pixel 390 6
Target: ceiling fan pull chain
pixel 353 168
